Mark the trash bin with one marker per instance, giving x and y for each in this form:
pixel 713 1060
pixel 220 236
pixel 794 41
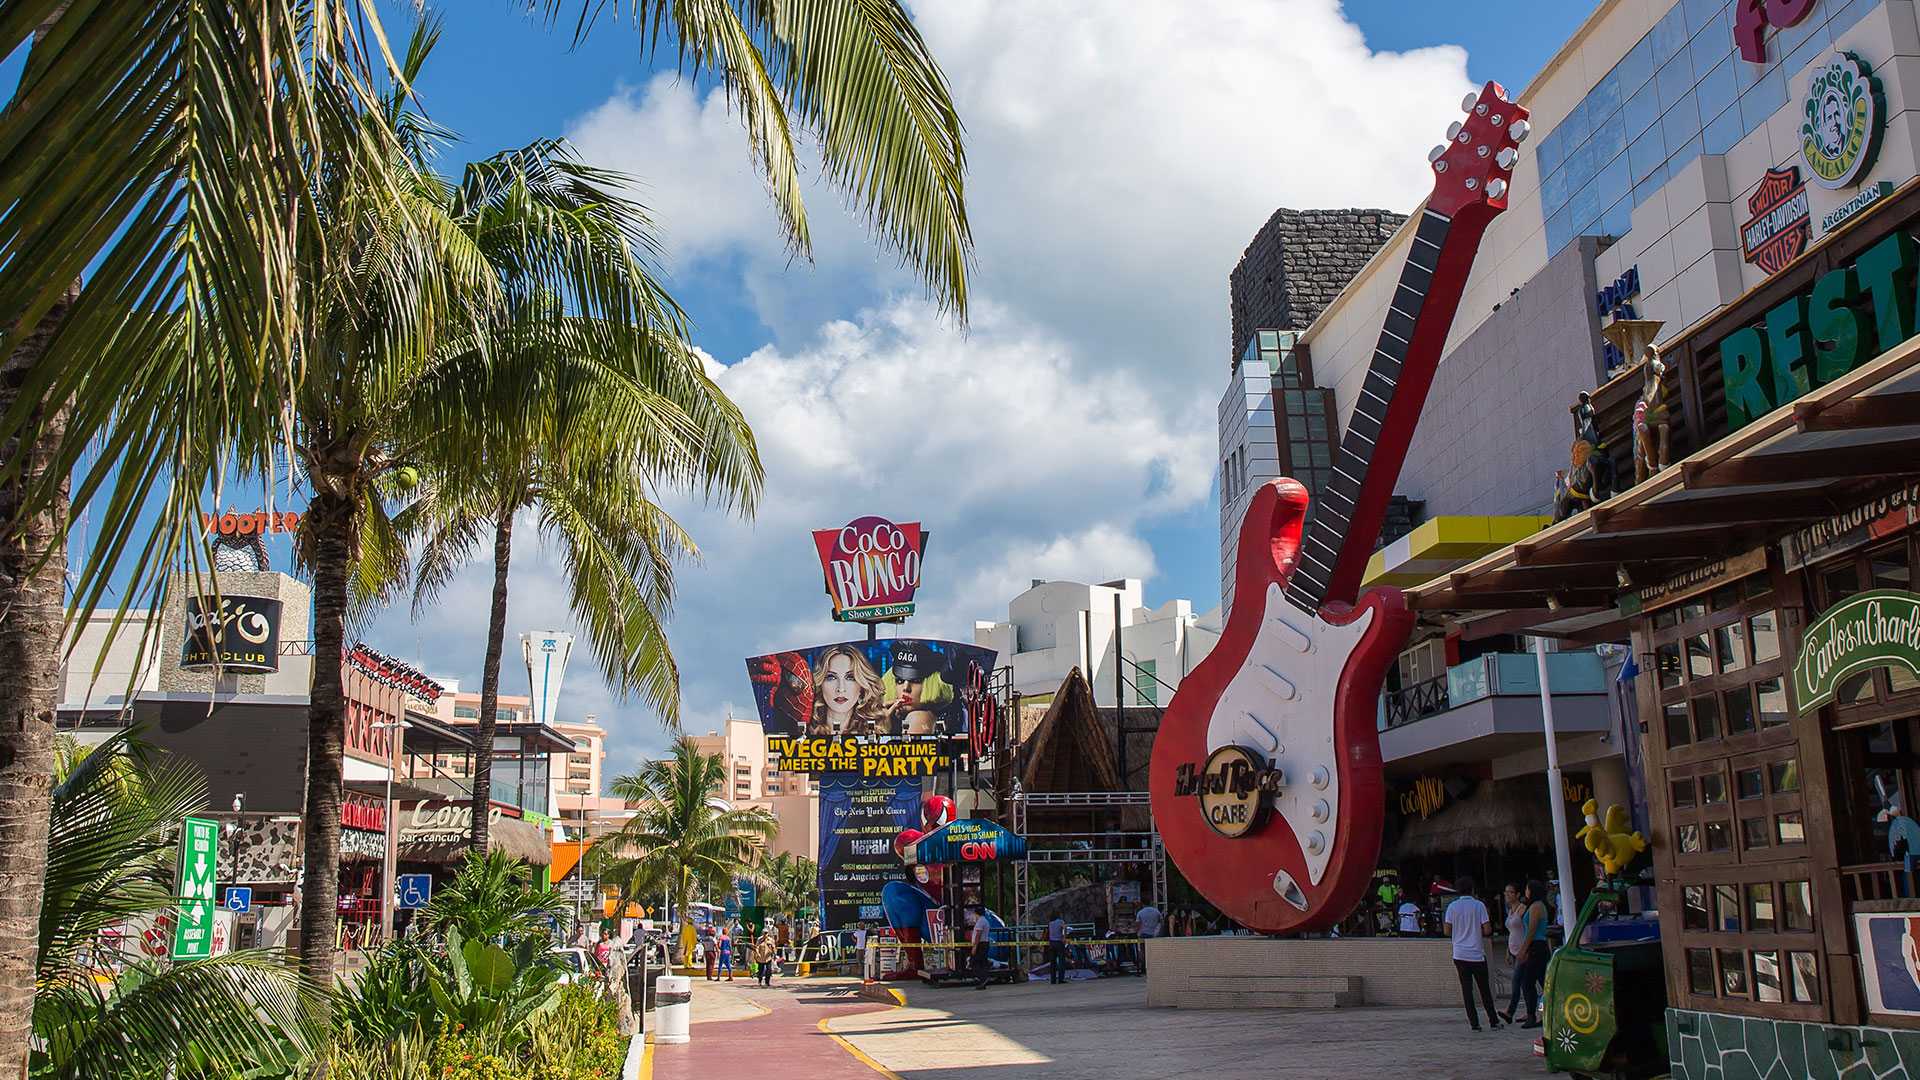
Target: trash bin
pixel 673 997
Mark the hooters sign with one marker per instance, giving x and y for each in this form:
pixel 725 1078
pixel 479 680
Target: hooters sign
pixel 872 567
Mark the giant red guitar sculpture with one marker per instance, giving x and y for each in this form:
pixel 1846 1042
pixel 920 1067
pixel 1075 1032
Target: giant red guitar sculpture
pixel 1266 777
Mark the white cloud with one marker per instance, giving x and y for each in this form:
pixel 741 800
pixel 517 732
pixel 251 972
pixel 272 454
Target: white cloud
pixel 1121 157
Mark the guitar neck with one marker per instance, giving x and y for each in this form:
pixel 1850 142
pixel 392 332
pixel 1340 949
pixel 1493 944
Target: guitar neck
pixel 1350 509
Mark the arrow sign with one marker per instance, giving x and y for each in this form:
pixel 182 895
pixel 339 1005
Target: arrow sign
pixel 199 864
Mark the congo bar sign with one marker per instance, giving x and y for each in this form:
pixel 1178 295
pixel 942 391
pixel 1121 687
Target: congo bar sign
pixel 232 633
pixel 1233 788
pixel 1877 628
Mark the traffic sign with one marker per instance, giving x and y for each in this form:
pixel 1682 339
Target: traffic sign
pixel 199 854
pixel 579 890
pixel 415 890
pixel 239 898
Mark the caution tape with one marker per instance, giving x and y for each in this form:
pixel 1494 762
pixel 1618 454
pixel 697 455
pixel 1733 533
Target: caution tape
pixel 996 944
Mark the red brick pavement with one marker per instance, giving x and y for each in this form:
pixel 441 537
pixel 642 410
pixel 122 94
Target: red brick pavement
pixel 787 1039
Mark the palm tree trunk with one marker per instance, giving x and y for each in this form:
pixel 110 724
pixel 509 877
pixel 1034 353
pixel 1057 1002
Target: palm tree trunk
pixel 33 570
pixel 331 517
pixel 490 683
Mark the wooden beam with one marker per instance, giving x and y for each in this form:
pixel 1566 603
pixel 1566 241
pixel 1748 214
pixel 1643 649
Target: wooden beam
pixel 1448 600
pixel 1749 509
pixel 1529 578
pixel 1517 621
pixel 1630 548
pixel 1860 411
pixel 1899 457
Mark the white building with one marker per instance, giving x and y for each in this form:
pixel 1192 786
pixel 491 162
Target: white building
pixel 1056 626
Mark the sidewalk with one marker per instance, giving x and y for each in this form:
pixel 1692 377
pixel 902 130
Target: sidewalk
pixel 739 1030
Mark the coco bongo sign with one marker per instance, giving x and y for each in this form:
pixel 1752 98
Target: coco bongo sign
pixel 872 568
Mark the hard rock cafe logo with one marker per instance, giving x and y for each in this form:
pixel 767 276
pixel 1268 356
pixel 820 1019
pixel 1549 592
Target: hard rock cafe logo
pixel 1781 224
pixel 1233 786
pixel 1840 129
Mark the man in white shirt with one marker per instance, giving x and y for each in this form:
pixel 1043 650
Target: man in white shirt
pixel 1148 919
pixel 981 939
pixel 1409 918
pixel 1469 925
pixel 1057 950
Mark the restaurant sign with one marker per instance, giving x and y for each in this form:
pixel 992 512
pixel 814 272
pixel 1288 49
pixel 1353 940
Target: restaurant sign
pixel 1876 628
pixel 1694 582
pixel 1843 114
pixel 1234 788
pixel 1887 515
pixel 441 822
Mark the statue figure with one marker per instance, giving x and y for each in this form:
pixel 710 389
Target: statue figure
pixel 1590 479
pixel 1651 422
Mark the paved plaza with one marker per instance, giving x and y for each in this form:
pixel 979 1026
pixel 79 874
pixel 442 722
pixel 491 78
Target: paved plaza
pixel 813 1029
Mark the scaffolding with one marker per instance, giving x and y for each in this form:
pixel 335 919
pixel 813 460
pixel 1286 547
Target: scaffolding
pixel 1087 848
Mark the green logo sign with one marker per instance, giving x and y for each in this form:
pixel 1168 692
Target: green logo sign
pixel 199 852
pixel 1840 132
pixel 1877 628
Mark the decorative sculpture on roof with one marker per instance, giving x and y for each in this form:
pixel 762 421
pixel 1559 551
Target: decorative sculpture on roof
pixel 1651 422
pixel 1590 478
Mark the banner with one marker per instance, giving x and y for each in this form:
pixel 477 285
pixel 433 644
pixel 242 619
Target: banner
pixel 858 823
pixel 878 709
pixel 233 633
pixel 969 840
pixel 872 567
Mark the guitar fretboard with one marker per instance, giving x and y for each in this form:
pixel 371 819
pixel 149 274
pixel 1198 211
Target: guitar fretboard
pixel 1341 503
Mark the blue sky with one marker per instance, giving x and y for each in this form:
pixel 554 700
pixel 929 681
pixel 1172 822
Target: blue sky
pixel 1121 155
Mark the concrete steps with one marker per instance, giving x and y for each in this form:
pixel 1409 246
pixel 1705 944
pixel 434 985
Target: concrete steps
pixel 1273 991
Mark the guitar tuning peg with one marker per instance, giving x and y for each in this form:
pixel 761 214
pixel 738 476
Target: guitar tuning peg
pixel 1507 157
pixel 1466 105
pixel 1453 131
pixel 1519 130
pixel 1437 152
pixel 1496 188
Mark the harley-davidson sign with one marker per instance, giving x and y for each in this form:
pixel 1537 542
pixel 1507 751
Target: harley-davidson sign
pixel 872 568
pixel 232 633
pixel 1782 221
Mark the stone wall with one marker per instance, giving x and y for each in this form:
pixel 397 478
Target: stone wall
pixel 1714 1046
pixel 1199 972
pixel 1297 263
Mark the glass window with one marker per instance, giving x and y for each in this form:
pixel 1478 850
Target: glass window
pixel 1719 836
pixel 1790 828
pixel 1694 908
pixel 1889 569
pixel 1699 657
pixel 1706 718
pixel 1713 789
pixel 1854 689
pixel 1762 99
pixel 1784 776
pixel 1764 633
pixel 1739 710
pixel 1612 184
pixel 1700 971
pixel 1666 660
pixel 1604 98
pixel 1667 619
pixel 1733 973
pixel 1693 609
pixel 1700 15
pixel 1682 792
pixel 1722 132
pixel 1772 695
pixel 1726 908
pixel 1647 152
pixel 1766 975
pixel 1747 783
pixel 1680 123
pixel 1618 221
pixel 1760 914
pixel 1669 35
pixel 1583 209
pixel 1725 598
pixel 1554 191
pixel 1839 583
pixel 1796 905
pixel 1753 832
pixel 1609 141
pixel 1679 731
pixel 1682 154
pixel 1551 153
pixel 1717 92
pixel 1803 54
pixel 1730 646
pixel 1806 977
pixel 1688 837
pixel 1636 67
pixel 1574 128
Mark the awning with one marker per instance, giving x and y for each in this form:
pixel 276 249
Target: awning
pixel 518 839
pixel 1445 543
pixel 1815 456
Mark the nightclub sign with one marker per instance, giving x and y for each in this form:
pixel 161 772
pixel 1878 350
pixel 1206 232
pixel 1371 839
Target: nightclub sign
pixel 1876 628
pixel 232 633
pixel 1782 220
pixel 872 568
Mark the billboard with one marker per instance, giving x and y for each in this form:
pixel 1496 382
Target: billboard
pixel 233 633
pixel 881 709
pixel 872 567
pixel 858 822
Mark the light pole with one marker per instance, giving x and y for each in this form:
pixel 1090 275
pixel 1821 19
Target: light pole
pixel 386 818
pixel 1556 792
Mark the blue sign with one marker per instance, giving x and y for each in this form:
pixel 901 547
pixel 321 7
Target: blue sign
pixel 238 898
pixel 967 840
pixel 415 890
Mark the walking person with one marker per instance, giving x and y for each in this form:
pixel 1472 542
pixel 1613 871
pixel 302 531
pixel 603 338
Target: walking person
pixel 981 939
pixel 709 949
pixel 726 953
pixel 1057 950
pixel 1514 899
pixel 1531 963
pixel 764 952
pixel 1148 918
pixel 1467 922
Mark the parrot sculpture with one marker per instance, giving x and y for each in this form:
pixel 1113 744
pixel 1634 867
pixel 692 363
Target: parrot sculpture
pixel 1613 841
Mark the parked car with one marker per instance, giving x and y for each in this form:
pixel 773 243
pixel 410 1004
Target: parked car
pixel 575 965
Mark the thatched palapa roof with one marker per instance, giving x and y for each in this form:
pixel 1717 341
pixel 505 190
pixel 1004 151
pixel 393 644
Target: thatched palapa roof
pixel 1503 815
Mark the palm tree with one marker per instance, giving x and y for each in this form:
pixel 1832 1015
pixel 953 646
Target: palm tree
pixel 115 820
pixel 629 410
pixel 792 883
pixel 491 897
pixel 684 832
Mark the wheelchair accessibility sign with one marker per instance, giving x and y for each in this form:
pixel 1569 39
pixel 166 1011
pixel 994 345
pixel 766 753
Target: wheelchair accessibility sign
pixel 415 890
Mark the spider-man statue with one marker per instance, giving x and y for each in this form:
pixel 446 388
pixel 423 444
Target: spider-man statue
pixel 907 902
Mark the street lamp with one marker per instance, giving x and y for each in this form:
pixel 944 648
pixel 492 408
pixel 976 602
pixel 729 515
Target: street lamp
pixel 387 862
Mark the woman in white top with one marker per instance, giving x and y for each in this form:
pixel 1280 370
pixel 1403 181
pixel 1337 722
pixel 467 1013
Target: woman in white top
pixel 1516 936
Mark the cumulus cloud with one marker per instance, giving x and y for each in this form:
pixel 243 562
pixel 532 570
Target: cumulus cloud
pixel 1121 155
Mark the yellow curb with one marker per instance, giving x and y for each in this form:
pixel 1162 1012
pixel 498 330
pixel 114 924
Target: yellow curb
pixel 646 1060
pixel 858 1054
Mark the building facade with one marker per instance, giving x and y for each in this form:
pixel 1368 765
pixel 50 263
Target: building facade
pixel 754 779
pixel 1740 185
pixel 1058 626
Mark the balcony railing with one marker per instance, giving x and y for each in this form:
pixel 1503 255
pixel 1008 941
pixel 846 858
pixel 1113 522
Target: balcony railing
pixel 1876 881
pixel 1492 675
pixel 1416 702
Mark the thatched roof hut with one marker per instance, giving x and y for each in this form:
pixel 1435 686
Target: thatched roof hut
pixel 1504 815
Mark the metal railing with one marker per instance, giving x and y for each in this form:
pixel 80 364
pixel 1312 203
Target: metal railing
pixel 1416 702
pixel 1876 881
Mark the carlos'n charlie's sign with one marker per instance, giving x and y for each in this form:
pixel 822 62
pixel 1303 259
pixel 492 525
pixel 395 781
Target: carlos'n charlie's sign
pixel 872 568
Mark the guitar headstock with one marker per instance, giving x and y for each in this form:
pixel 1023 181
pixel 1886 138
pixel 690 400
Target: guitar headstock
pixel 1475 164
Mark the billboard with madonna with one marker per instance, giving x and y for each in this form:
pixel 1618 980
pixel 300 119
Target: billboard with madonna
pixel 878 708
